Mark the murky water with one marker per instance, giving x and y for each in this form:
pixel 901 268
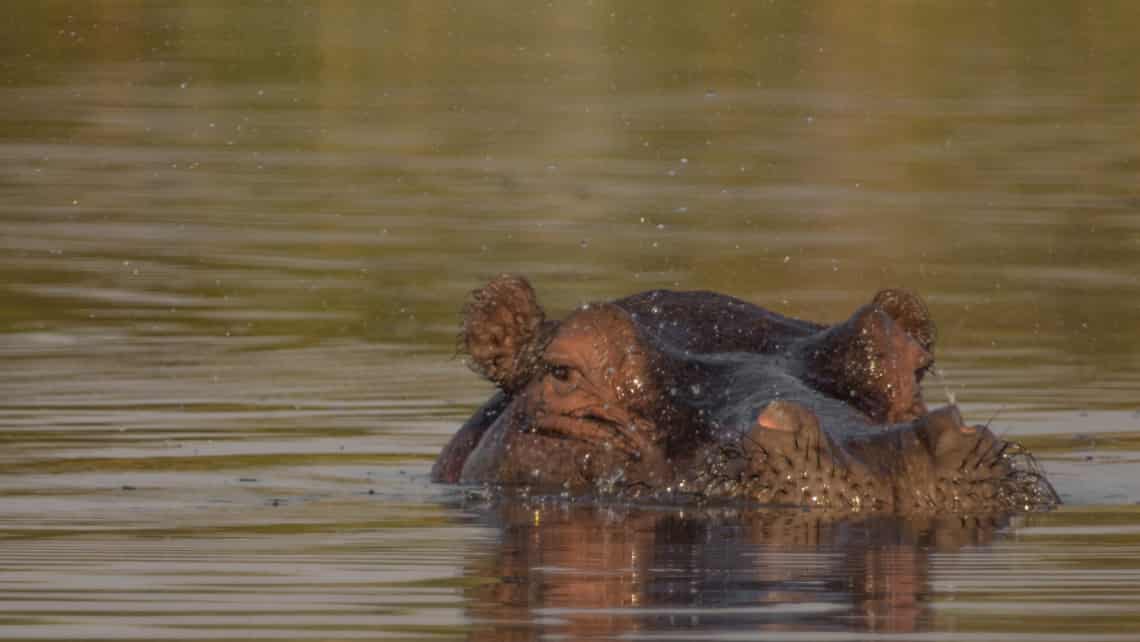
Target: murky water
pixel 235 236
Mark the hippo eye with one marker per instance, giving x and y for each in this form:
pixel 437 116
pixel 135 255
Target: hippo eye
pixel 562 371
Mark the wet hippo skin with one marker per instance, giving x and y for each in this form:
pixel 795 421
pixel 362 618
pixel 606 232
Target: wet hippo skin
pixel 698 394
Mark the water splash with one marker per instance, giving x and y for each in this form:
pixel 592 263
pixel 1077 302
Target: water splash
pixel 951 398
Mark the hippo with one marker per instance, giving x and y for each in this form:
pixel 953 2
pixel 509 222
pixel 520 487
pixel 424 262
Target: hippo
pixel 668 394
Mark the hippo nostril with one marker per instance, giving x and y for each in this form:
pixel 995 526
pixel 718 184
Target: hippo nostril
pixel 947 416
pixel 942 429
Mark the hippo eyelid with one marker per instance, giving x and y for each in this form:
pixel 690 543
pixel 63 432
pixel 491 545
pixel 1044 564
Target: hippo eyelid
pixel 560 360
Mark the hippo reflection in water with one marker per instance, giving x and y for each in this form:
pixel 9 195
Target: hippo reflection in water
pixel 697 394
pixel 617 570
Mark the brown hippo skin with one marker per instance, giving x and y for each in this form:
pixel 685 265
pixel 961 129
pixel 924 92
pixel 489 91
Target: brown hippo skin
pixel 667 395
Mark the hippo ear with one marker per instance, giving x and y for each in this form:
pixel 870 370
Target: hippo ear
pixel 909 311
pixel 872 362
pixel 502 325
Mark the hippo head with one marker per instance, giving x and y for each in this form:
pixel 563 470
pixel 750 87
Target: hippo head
pixel 699 393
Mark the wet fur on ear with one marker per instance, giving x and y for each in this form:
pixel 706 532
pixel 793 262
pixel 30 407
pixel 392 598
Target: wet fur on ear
pixel 503 326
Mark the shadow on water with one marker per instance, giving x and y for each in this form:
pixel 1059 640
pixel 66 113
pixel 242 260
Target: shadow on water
pixel 619 571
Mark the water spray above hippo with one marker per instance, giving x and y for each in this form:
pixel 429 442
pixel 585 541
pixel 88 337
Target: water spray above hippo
pixel 668 394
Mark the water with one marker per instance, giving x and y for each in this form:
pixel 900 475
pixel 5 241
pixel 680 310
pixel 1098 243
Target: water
pixel 235 237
